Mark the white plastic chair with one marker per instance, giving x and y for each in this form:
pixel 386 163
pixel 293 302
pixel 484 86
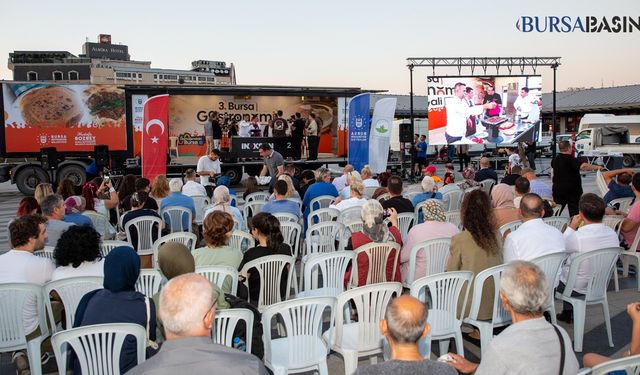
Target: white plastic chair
pixel 292 232
pixel 350 214
pixel 302 349
pixel 324 274
pixel 433 253
pixel 14 296
pixel 406 220
pixel 98 347
pixel 322 201
pixel 444 293
pixel 322 237
pixel 145 227
pixel 251 208
pixel 360 338
pixel 241 240
pixel 270 269
pixel 107 245
pixel 631 365
pixel 600 264
pixel 258 196
pixel 411 194
pixel 509 227
pixel 369 190
pixel 46 252
pixel 558 222
pixel 383 197
pixel 353 227
pixel 452 199
pixel 71 291
pixel 200 201
pixel 378 255
pixel 225 323
pixel 321 215
pixel 100 223
pixel 601 184
pixel 149 282
pixel 285 217
pixel 550 264
pixel 623 203
pixel 173 217
pixel 188 239
pixel 613 222
pixel 218 275
pixel 455 218
pixel 487 185
pixel 499 317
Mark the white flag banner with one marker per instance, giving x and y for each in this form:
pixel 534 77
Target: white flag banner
pixel 380 134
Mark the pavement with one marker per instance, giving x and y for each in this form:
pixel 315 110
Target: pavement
pixel 595 338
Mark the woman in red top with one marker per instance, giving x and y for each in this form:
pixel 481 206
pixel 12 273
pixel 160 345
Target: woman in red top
pixel 375 230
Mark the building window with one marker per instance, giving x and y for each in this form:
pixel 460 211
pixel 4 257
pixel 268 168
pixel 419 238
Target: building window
pixel 58 76
pixel 73 76
pixel 32 76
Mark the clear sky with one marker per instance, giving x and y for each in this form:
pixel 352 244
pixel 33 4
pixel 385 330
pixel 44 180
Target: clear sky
pixel 329 43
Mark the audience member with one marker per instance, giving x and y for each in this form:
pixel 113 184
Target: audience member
pixel 141 184
pixel 536 185
pixel 92 195
pixel 291 189
pixel 160 189
pixel 281 203
pixel 53 210
pixel 514 174
pixel 119 302
pixel 383 180
pixel 521 188
pixel 530 344
pixel 620 187
pixel 468 179
pixel 138 210
pixel 208 168
pixel 396 200
pixel 28 206
pixel 222 202
pixel 430 171
pixel 355 199
pixel 78 254
pixel 404 325
pixel 66 188
pixel 250 186
pixel 345 193
pixel 429 191
pixel 367 177
pixel 191 187
pixel 177 199
pixel 74 207
pixel 43 190
pixel 629 226
pixel 486 172
pixel 375 230
pixel 477 248
pixel 321 187
pixel 585 233
pixel 290 171
pixel 265 228
pixel 534 238
pixel 308 178
pixel 435 226
pixel 341 181
pixel 187 309
pixel 503 209
pixel 127 187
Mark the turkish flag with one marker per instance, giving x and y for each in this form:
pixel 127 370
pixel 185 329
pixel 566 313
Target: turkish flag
pixel 155 136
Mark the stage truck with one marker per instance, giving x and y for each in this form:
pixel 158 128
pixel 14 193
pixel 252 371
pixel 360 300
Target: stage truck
pixel 55 131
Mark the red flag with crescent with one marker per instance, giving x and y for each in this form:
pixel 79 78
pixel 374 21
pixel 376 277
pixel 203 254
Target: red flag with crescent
pixel 155 136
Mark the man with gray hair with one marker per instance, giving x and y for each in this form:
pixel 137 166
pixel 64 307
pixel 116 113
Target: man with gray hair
pixel 404 325
pixel 530 345
pixel 177 199
pixel 191 186
pixel 54 210
pixel 187 310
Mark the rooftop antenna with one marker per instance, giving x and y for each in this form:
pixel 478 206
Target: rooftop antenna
pixel 86 39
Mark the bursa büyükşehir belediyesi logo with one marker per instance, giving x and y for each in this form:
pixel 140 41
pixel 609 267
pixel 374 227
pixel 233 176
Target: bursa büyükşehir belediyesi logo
pixel 578 24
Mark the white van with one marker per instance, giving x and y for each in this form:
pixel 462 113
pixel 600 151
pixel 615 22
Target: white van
pixel 609 134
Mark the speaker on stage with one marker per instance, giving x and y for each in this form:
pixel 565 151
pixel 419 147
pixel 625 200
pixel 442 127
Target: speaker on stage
pixel 101 155
pixel 405 132
pixel 49 158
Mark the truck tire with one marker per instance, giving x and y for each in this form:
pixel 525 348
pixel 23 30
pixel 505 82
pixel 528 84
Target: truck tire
pixel 29 177
pixel 628 161
pixel 235 174
pixel 74 173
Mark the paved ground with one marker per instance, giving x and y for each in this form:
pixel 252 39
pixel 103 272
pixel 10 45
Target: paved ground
pixel 595 339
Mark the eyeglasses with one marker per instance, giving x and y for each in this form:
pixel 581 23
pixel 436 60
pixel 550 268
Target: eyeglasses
pixel 209 310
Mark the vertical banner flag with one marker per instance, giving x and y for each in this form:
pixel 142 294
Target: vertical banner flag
pixel 359 130
pixel 155 136
pixel 380 137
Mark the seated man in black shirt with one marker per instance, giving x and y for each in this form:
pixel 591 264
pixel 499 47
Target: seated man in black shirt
pixel 486 172
pixel 511 178
pixel 397 201
pixel 144 185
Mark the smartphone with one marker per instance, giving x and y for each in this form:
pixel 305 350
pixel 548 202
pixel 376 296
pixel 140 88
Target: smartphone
pixel 106 179
pixel 386 213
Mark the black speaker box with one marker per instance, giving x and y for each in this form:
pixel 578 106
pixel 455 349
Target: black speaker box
pixel 101 155
pixel 49 158
pixel 405 132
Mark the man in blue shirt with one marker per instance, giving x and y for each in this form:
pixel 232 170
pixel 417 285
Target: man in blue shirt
pixel 322 186
pixel 282 204
pixel 177 199
pixel 620 187
pixel 74 205
pixel 421 153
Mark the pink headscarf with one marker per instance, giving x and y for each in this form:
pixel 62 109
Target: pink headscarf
pixel 502 196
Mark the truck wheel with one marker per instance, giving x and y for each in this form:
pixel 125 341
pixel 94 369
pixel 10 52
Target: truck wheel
pixel 235 174
pixel 628 161
pixel 29 177
pixel 74 173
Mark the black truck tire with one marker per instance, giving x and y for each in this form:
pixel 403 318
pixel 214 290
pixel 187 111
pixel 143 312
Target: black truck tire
pixel 29 177
pixel 628 161
pixel 235 174
pixel 74 173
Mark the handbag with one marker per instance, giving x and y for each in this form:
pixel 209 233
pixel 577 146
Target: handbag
pixel 561 349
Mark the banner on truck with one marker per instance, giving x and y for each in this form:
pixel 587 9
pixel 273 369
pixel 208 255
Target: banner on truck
pixel 155 137
pixel 188 114
pixel 484 110
pixel 381 127
pixel 359 131
pixel 67 117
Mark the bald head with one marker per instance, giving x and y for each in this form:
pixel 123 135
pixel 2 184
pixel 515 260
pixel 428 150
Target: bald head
pixel 186 306
pixel 484 162
pixel 528 173
pixel 531 207
pixel 406 319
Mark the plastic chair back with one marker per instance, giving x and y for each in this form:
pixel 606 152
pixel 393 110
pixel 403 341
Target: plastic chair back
pixel 258 196
pixel 251 208
pixel 509 227
pixel 188 239
pixel 145 227
pixel 435 254
pixel 350 214
pixel 558 222
pixel 631 365
pixel 292 232
pixel 14 296
pixel 599 264
pixel 149 282
pixel 487 185
pixel 100 222
pixel 613 222
pixel 452 199
pixel 500 316
pixel 241 240
pixel 378 255
pixel 47 252
pixel 107 245
pixel 327 271
pixel 369 190
pixel 623 204
pixel 200 201
pixel 322 201
pixel 321 215
pixel 270 269
pixel 406 220
pixel 218 275
pixel 174 216
pixel 71 291
pixel 455 218
pixel 225 324
pixel 322 237
pixel 284 217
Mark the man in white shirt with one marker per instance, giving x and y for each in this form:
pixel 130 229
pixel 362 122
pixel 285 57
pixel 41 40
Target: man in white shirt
pixel 341 182
pixel 533 238
pixel 592 235
pixel 245 129
pixel 191 187
pixel 524 103
pixel 19 265
pixel 458 110
pixel 53 209
pixel 209 166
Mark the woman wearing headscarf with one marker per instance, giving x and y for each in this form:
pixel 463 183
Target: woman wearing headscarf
pixel 468 175
pixel 375 230
pixel 502 196
pixel 74 207
pixel 434 226
pixel 119 302
pixel 221 202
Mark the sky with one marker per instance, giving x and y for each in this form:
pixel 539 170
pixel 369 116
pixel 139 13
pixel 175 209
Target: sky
pixel 331 43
